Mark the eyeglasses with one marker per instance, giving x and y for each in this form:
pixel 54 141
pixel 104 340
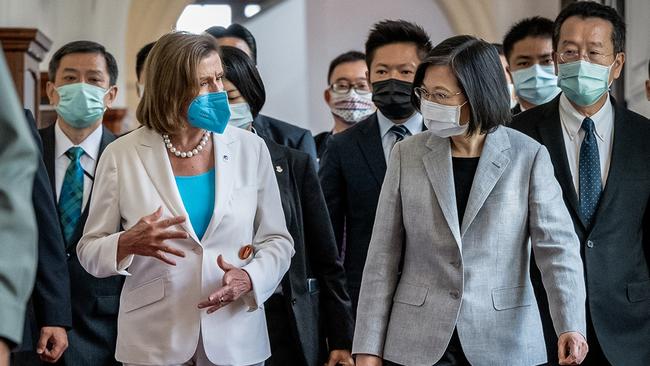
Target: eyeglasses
pixel 361 87
pixel 596 57
pixel 438 96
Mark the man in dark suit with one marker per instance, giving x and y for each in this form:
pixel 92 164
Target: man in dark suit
pixel 48 314
pixel 83 78
pixel 354 164
pixel 283 133
pixel 600 153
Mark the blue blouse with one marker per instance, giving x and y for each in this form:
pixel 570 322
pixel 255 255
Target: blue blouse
pixel 197 193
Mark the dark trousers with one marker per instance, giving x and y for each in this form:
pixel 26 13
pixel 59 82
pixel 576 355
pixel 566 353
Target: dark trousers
pixel 595 356
pixel 285 349
pixel 453 356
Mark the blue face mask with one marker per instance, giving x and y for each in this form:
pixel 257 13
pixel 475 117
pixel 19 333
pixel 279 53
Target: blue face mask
pixel 536 84
pixel 240 115
pixel 210 112
pixel 80 104
pixel 583 82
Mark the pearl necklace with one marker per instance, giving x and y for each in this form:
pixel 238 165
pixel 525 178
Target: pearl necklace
pixel 186 154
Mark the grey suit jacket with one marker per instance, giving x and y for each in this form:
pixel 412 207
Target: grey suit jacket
pixel 474 277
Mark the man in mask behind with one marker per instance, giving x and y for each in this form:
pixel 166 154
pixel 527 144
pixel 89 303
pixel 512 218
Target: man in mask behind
pixel 348 95
pixel 82 86
pixel 354 164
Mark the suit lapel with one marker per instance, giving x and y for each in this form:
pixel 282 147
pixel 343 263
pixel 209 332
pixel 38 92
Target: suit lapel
pixel 491 166
pixel 373 151
pixel 550 132
pixel 152 153
pixel 225 161
pixel 437 164
pixel 623 140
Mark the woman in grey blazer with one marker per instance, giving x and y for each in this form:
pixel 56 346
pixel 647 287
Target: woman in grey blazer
pixel 462 206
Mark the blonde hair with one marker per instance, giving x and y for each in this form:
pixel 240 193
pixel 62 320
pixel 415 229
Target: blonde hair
pixel 171 81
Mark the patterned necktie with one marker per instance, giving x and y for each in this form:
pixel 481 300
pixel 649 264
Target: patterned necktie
pixel 71 197
pixel 400 132
pixel 590 184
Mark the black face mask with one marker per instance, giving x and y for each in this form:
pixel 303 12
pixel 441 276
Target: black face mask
pixel 393 98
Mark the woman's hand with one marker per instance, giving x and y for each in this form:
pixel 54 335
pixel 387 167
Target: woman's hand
pixel 236 283
pixel 147 238
pixel 368 360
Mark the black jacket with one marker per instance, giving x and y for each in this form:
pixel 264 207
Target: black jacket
pixel 314 286
pixel 616 249
pixel 321 143
pixel 285 134
pixel 352 172
pixel 95 301
pixel 50 301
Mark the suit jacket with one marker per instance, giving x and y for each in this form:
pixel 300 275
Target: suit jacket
pixel 18 159
pixel 95 301
pixel 616 249
pixel 314 288
pixel 352 171
pixel 285 134
pixel 321 143
pixel 159 322
pixel 515 204
pixel 50 302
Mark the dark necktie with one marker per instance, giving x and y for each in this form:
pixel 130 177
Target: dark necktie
pixel 71 197
pixel 590 184
pixel 400 132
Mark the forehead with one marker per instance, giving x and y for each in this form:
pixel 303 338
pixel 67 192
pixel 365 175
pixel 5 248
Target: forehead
pixel 586 30
pixel 440 76
pixel 83 62
pixel 210 65
pixel 396 54
pixel 350 70
pixel 532 46
pixel 235 42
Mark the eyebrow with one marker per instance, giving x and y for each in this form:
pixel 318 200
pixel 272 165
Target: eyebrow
pixel 436 88
pixel 346 79
pixel 398 66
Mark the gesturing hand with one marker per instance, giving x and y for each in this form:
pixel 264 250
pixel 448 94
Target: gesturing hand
pixel 52 343
pixel 147 238
pixel 236 283
pixel 572 348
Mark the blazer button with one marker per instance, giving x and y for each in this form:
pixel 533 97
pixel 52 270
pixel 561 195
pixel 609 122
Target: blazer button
pixel 293 301
pixel 67 254
pixel 590 244
pixel 454 294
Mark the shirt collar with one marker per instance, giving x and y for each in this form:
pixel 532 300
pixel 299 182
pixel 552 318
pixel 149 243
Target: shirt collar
pixel 572 119
pixel 413 124
pixel 90 145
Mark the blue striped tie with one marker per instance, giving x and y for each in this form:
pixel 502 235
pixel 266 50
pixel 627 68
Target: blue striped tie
pixel 590 184
pixel 71 197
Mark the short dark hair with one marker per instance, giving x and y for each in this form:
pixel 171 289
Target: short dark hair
pixel 141 57
pixel 240 70
pixel 589 9
pixel 83 47
pixel 350 56
pixel 388 32
pixel 237 31
pixel 477 67
pixel 538 27
pixel 499 48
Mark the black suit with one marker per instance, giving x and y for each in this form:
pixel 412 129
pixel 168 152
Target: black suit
pixel 50 301
pixel 95 302
pixel 314 287
pixel 321 143
pixel 352 172
pixel 616 249
pixel 285 134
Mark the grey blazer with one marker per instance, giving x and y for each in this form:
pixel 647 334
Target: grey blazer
pixel 474 277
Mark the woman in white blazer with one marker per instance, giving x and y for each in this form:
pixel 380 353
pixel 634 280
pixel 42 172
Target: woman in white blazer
pixel 188 209
pixel 462 207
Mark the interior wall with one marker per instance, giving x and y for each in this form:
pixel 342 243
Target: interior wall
pixel 64 21
pixel 637 52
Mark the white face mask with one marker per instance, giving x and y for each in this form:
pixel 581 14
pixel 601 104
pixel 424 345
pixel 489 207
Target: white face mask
pixel 442 120
pixel 240 115
pixel 352 107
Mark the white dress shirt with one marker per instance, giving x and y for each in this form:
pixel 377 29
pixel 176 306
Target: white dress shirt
pixel 88 160
pixel 573 135
pixel 414 124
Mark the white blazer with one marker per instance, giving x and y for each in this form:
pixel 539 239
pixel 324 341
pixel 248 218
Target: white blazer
pixel 159 321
